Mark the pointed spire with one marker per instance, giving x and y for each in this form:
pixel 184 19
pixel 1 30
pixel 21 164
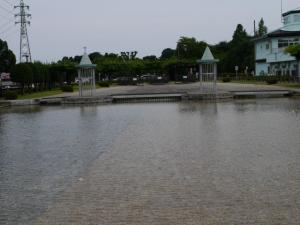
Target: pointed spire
pixel 85 60
pixel 208 57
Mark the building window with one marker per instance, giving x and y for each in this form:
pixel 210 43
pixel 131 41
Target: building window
pixel 267 46
pixel 297 18
pixel 283 43
pixel 286 20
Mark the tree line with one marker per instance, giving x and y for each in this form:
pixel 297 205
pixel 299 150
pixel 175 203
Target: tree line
pixel 172 62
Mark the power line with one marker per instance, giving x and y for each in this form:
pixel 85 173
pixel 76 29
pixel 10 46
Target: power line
pixel 6 23
pixel 6 30
pixel 8 3
pixel 9 33
pixel 6 10
pixel 4 17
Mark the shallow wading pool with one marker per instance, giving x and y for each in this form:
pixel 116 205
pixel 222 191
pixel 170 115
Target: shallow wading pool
pixel 166 163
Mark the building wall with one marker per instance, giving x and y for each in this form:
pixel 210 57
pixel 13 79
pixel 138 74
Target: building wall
pixel 261 68
pixel 277 53
pixel 292 18
pixel 272 51
pixel 262 49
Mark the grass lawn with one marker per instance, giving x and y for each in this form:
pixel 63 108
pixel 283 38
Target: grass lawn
pixel 282 84
pixel 248 82
pixel 40 94
pixel 289 85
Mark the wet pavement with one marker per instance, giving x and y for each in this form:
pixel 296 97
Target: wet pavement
pixel 168 163
pixel 178 88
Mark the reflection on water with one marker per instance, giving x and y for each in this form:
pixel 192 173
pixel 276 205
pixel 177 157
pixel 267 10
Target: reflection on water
pixel 239 155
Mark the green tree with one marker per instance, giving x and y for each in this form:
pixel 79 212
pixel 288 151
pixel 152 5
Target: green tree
pixel 220 51
pixel 94 56
pixel 262 29
pixel 167 53
pixel 40 75
pixel 22 73
pixel 240 51
pixel 7 57
pixel 294 50
pixel 64 71
pixel 239 34
pixel 190 48
pixel 150 58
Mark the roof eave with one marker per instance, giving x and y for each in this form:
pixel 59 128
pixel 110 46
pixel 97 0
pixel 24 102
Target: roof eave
pixel 291 12
pixel 208 61
pixel 86 66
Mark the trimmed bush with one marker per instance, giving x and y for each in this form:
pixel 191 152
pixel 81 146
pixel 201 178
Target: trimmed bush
pixel 104 83
pixel 226 79
pixel 127 81
pixel 67 88
pixel 271 81
pixel 11 95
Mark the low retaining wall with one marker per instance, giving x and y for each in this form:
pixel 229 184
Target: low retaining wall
pixel 207 96
pixel 86 100
pixel 262 94
pixel 163 97
pixel 19 102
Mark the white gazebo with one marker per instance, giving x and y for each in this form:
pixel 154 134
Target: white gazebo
pixel 86 76
pixel 208 73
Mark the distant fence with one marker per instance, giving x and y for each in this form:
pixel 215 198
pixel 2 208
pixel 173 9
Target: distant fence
pixel 153 79
pixel 243 77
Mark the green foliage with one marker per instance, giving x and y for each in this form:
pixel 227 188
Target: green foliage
pixel 7 57
pixel 272 80
pixel 262 29
pixel 190 48
pixel 22 73
pixel 95 56
pixel 293 50
pixel 239 34
pixel 11 95
pixel 226 79
pixel 150 58
pixel 67 88
pixel 238 52
pixel 127 81
pixel 167 53
pixel 104 83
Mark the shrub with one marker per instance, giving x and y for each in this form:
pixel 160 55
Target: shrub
pixel 271 81
pixel 104 84
pixel 67 88
pixel 226 79
pixel 127 81
pixel 11 95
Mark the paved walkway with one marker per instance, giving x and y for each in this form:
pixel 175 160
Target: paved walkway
pixel 177 88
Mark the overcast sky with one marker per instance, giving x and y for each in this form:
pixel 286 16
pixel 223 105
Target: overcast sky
pixel 63 27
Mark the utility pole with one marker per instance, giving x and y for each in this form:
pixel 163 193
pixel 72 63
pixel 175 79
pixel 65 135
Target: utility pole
pixel 281 17
pixel 25 53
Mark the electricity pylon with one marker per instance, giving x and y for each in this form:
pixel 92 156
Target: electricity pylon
pixel 25 53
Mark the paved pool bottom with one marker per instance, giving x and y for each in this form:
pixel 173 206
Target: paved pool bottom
pixel 165 163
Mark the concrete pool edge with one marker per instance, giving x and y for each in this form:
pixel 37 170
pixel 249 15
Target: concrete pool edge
pixel 151 97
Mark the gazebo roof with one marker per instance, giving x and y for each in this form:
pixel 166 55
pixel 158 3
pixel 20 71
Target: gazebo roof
pixel 86 62
pixel 208 57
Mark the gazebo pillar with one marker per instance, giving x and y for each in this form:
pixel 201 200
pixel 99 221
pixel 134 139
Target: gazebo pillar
pixel 208 71
pixel 86 76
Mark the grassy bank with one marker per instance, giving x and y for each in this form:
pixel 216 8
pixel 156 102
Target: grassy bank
pixel 40 94
pixel 280 84
pixel 289 85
